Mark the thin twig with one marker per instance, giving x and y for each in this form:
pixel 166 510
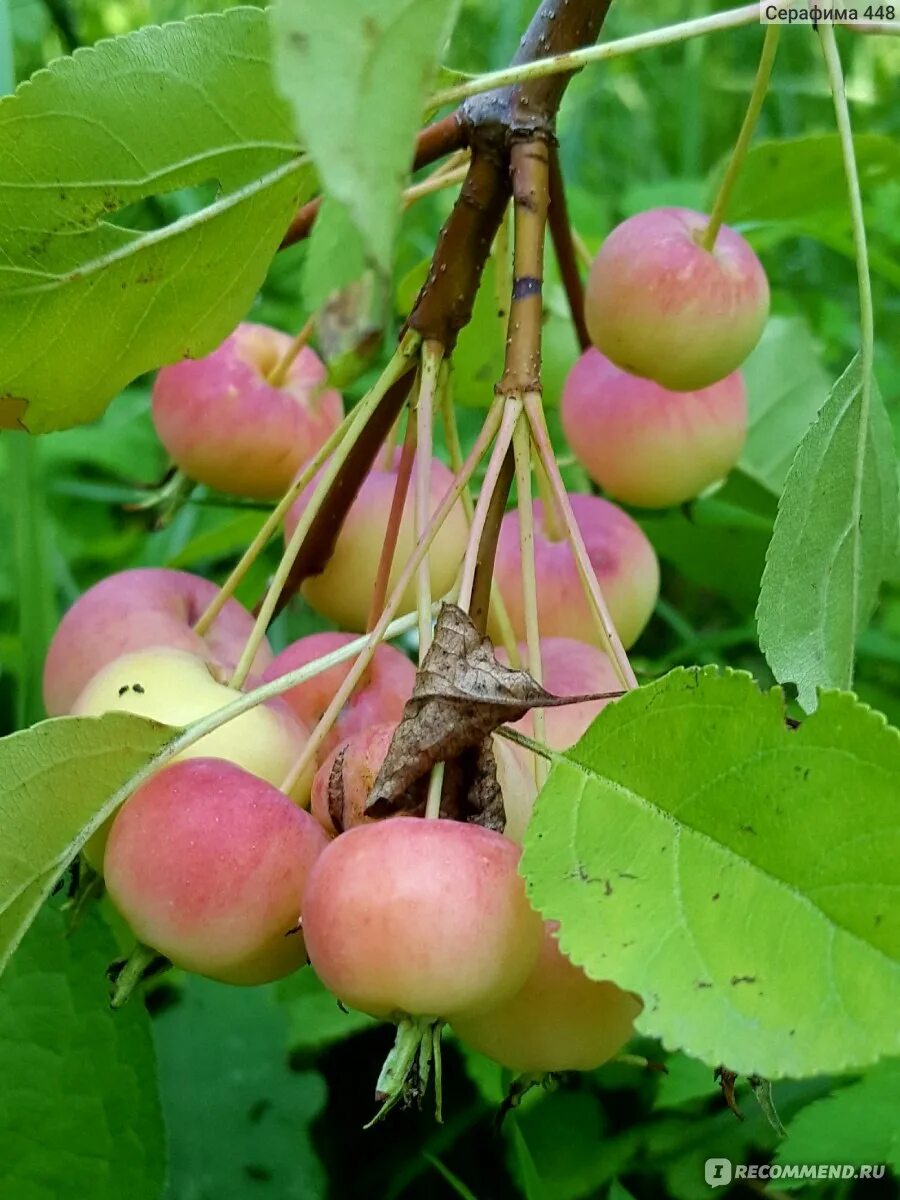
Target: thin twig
pixel 566 253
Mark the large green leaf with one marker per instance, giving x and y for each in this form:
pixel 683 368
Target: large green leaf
pixel 786 387
pixel 833 544
pixel 238 1117
pixel 737 874
pixel 58 780
pixel 79 1109
pixel 87 304
pixel 383 53
pixel 795 178
pixel 858 1125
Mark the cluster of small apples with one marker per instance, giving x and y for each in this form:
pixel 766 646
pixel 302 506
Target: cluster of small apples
pixel 656 410
pixel 235 865
pixel 215 866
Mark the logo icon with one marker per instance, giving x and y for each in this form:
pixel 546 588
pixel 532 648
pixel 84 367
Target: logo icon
pixel 717 1171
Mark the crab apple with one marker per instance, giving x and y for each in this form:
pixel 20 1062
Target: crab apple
pixel 413 917
pixel 559 1020
pixel 646 445
pixel 227 425
pixel 346 778
pixel 623 560
pixel 660 305
pixel 177 688
pixel 343 591
pixel 132 610
pixel 208 865
pixel 380 696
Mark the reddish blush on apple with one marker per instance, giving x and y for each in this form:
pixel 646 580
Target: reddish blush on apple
pixel 379 697
pixel 226 424
pixel 620 554
pixel 659 304
pixel 137 609
pixel 644 444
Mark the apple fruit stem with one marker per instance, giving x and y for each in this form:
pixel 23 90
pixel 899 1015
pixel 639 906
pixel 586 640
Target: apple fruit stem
pixel 445 176
pixel 432 357
pixel 279 372
pixel 376 636
pixel 511 408
pixel 611 640
pixel 553 526
pixel 133 971
pixel 395 369
pixel 538 749
pixel 395 516
pixel 864 282
pixel 522 452
pixel 454 448
pixel 741 146
pixel 435 790
pixel 564 247
pixel 574 60
pixel 268 529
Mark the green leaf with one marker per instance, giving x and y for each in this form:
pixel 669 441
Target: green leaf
pixel 455 1184
pixel 859 1124
pixel 361 134
pixel 238 1117
pixel 557 1146
pixel 58 782
pixel 336 254
pixel 834 542
pixel 618 1192
pixel 79 1110
pixel 786 178
pixel 685 1080
pixel 315 1019
pixel 735 873
pixel 87 304
pixel 786 387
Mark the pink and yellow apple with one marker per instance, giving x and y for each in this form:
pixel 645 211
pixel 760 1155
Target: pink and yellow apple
pixel 177 688
pixel 343 591
pixel 559 1020
pixel 644 444
pixel 208 864
pixel 133 610
pixel 659 304
pixel 622 558
pixel 226 424
pixel 420 918
pixel 380 695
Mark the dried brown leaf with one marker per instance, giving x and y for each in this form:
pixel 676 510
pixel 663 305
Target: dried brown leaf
pixel 462 695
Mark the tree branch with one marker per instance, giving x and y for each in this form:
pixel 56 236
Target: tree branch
pixel 564 247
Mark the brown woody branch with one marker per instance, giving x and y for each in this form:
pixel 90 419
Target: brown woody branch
pixel 564 247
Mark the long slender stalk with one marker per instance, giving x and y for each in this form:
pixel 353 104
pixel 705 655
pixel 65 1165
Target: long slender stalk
pixel 432 356
pixel 395 516
pixel 562 64
pixel 742 145
pixel 864 284
pixel 395 369
pixel 268 529
pixel 499 614
pixel 522 450
pixel 451 497
pixel 566 514
pixel 511 410
pixel 279 373
pixel 435 182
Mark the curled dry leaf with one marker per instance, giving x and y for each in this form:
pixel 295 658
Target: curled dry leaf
pixel 462 695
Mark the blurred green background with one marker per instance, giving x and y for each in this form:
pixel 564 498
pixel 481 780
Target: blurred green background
pixel 644 130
